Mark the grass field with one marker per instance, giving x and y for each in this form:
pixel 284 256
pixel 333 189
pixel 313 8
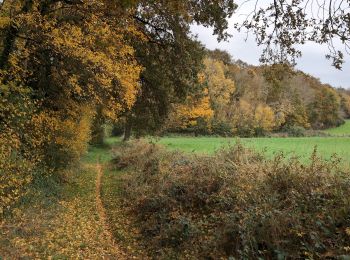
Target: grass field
pixel 299 146
pixel 303 146
pixel 341 130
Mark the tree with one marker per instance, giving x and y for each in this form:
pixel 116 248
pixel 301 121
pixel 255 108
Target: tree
pixel 59 61
pixel 220 55
pixel 243 119
pixel 282 25
pixel 171 57
pixel 277 75
pixel 324 111
pixel 264 119
pixel 345 102
pixel 194 115
pixel 220 87
pixel 65 64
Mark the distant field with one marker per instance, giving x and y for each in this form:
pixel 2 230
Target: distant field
pixel 341 130
pixel 302 147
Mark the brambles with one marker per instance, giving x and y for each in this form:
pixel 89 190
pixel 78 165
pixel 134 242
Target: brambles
pixel 235 203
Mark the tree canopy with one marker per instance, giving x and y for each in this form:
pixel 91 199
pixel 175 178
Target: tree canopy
pixel 282 25
pixel 67 66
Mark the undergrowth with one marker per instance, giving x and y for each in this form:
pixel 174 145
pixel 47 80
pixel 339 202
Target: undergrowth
pixel 234 204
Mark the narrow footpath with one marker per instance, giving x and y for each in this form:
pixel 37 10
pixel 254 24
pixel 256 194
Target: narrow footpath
pixel 63 220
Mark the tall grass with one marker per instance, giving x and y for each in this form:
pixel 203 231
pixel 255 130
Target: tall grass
pixel 235 204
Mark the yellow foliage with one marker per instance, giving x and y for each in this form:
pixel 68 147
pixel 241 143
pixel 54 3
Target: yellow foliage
pixel 74 59
pixel 220 87
pixel 73 136
pixel 264 117
pixel 243 119
pixel 186 115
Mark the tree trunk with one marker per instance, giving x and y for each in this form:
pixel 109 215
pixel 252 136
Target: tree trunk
pixel 127 130
pixel 98 134
pixel 98 131
pixel 8 43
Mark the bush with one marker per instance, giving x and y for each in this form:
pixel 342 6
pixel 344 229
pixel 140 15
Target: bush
pixel 295 131
pixel 70 138
pixel 235 204
pixel 35 143
pixel 222 129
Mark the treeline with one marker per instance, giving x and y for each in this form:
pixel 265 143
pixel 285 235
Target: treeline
pixel 68 67
pixel 244 100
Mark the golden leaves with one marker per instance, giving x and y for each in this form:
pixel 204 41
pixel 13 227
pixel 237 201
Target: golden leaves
pixel 186 115
pixel 68 228
pixel 264 117
pixel 73 60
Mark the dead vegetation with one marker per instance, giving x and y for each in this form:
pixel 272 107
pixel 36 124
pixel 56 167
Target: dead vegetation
pixel 234 204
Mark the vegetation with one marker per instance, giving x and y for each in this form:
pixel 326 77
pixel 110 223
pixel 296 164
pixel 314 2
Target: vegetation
pixel 282 26
pixel 208 207
pixel 59 220
pixel 301 147
pixel 68 67
pixel 242 100
pixel 71 70
pixel 343 130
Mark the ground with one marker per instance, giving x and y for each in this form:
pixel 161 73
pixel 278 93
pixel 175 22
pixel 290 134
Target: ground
pixel 82 218
pixel 62 221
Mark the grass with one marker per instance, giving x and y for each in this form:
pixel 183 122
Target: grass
pixel 341 130
pixel 101 153
pixel 302 147
pixel 298 146
pixel 338 143
pixel 60 220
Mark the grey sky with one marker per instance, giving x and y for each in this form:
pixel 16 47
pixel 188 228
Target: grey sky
pixel 313 60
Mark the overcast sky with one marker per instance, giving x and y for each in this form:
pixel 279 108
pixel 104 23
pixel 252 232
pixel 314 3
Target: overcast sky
pixel 313 60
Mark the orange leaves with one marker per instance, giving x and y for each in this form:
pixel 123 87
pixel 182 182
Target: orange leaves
pixel 104 56
pixel 72 58
pixel 186 115
pixel 211 103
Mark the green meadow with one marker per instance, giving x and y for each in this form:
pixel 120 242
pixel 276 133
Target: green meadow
pixel 343 130
pixel 337 144
pixel 299 146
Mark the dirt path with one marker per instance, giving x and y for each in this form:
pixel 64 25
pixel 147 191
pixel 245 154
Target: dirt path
pixel 102 213
pixel 70 223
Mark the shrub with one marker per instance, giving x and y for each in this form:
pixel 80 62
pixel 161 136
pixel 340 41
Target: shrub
pixel 36 142
pixel 295 131
pixel 70 138
pixel 222 128
pixel 236 204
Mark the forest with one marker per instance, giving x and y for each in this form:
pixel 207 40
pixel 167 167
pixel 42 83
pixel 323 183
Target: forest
pixel 242 100
pixel 91 90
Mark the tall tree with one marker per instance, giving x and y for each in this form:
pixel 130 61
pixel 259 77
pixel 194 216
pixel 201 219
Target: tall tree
pixel 282 25
pixel 59 61
pixel 171 57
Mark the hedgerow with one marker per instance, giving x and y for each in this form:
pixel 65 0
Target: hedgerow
pixel 235 204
